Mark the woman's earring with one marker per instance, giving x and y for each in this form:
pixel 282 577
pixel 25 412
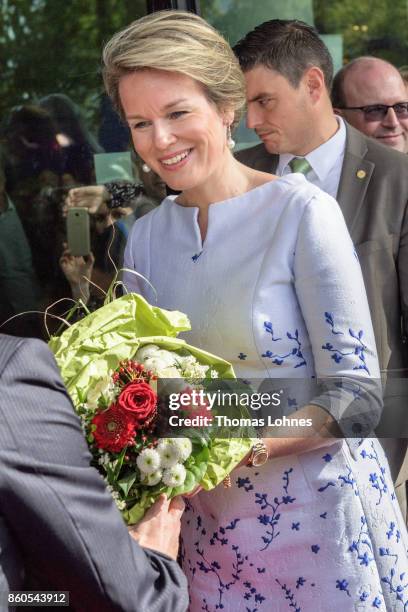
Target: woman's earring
pixel 230 140
pixel 146 168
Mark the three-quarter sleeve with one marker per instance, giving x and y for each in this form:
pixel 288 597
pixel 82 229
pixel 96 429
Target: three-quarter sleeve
pixel 331 293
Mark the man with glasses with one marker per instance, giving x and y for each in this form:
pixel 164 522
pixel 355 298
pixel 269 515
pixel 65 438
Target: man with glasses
pixel 371 95
pixel 288 72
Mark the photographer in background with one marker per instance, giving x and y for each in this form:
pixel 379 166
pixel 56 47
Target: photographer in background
pixel 19 289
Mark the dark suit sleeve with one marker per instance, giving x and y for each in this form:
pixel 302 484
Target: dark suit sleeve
pixel 66 524
pixel 258 158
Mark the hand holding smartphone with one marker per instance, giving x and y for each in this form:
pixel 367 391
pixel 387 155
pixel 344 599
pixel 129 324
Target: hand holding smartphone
pixel 78 232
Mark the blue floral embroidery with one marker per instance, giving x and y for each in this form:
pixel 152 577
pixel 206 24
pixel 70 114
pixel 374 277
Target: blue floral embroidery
pixel 352 387
pixel 246 483
pixel 206 566
pixel 196 256
pixel 272 519
pixel 364 556
pixel 345 479
pixel 392 532
pixel 329 484
pixel 289 595
pixel 376 479
pixel 300 582
pixel 397 589
pixel 385 552
pixel 269 329
pixel 330 320
pixel 242 356
pixel 252 592
pixel 295 353
pixel 327 457
pixel 349 480
pixel 338 354
pixel 238 562
pixel 315 548
pixel 223 540
pixel 343 586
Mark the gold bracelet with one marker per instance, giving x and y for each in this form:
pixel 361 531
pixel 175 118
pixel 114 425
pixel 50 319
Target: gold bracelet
pixel 227 482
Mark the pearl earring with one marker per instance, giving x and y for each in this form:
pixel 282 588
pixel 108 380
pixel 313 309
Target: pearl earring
pixel 145 168
pixel 230 140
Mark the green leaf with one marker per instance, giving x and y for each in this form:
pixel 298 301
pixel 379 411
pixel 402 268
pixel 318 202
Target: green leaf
pixel 119 462
pixel 127 482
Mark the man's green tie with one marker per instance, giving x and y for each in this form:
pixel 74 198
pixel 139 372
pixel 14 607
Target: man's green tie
pixel 300 164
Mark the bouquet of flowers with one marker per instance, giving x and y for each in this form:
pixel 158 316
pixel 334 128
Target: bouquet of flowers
pixel 112 362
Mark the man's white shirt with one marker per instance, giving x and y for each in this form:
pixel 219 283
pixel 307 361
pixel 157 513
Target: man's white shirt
pixel 326 162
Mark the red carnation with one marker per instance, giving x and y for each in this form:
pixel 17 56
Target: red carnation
pixel 115 429
pixel 139 400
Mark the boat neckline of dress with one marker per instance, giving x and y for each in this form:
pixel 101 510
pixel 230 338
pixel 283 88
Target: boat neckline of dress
pixel 280 179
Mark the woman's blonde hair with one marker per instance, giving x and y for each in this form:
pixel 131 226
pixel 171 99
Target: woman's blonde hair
pixel 176 41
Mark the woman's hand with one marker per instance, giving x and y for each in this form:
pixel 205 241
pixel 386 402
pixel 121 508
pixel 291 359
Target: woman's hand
pixel 91 197
pixel 77 271
pixel 194 492
pixel 159 529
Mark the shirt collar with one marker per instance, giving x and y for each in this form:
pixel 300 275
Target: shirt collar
pixel 323 158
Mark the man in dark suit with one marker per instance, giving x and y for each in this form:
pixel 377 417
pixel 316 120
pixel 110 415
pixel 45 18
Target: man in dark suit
pixel 288 72
pixel 59 527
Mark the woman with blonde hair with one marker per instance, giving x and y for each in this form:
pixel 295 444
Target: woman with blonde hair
pixel 266 271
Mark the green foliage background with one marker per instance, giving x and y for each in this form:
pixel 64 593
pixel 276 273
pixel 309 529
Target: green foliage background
pixel 49 46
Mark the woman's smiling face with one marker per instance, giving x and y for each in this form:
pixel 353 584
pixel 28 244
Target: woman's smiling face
pixel 175 129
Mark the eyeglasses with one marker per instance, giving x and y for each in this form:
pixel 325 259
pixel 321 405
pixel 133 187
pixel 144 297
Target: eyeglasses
pixel 377 112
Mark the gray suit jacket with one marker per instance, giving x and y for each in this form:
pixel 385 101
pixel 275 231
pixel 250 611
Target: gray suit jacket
pixel 373 195
pixel 58 524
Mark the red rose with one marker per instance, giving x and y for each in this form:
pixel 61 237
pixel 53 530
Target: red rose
pixel 115 429
pixel 139 400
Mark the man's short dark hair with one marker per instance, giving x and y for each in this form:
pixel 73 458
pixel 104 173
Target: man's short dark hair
pixel 288 46
pixel 337 92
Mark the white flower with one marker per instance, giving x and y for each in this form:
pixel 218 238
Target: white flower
pixel 169 453
pixel 148 461
pixel 153 479
pixel 121 505
pixel 104 459
pixel 175 476
pixel 190 367
pixel 158 362
pixel 184 447
pixel 104 388
pixel 146 351
pixel 155 358
pixel 170 372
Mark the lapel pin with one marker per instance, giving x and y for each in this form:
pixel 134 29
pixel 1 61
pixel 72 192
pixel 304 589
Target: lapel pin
pixel 361 174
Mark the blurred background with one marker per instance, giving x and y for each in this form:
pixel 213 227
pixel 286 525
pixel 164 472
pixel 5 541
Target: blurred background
pixel 55 118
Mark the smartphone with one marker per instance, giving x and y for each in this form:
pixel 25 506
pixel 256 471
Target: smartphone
pixel 78 233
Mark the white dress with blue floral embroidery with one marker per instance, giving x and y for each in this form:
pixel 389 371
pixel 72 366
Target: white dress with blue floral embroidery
pixel 276 289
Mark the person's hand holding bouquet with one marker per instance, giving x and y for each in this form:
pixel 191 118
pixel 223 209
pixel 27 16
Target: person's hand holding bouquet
pixel 113 362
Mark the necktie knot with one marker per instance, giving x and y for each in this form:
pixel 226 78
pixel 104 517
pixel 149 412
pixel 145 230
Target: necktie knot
pixel 300 164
